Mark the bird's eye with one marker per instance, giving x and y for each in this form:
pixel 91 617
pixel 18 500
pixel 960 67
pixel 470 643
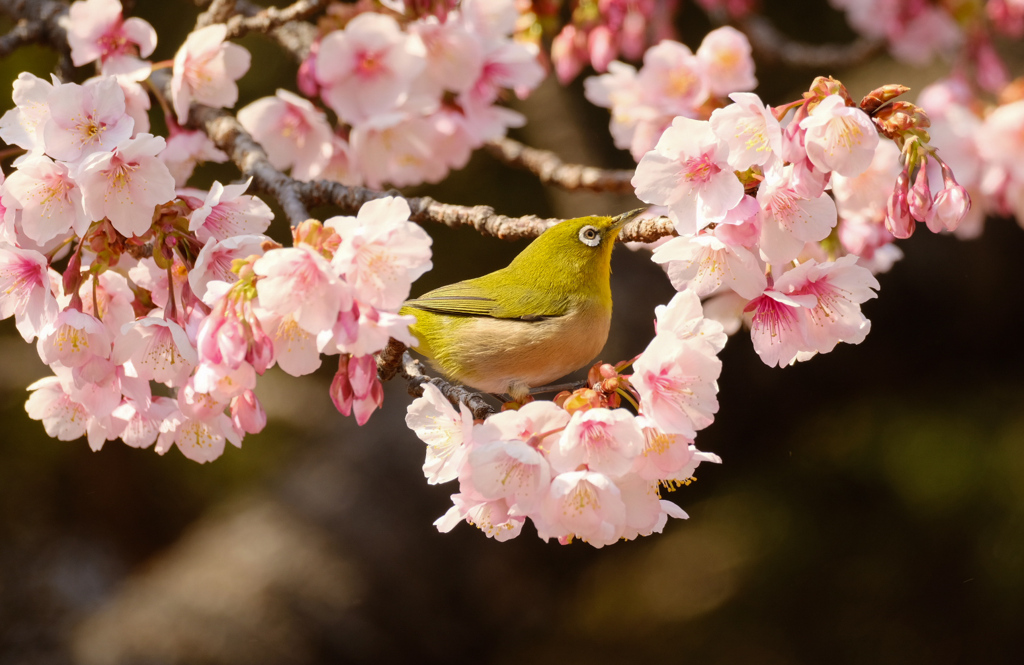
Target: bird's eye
pixel 590 236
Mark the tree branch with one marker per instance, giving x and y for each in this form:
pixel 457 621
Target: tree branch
pixel 412 372
pixel 551 170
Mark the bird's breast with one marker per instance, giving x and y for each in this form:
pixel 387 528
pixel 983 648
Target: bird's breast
pixel 496 353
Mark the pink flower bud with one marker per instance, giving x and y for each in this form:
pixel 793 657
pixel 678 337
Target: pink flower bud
pixel 632 35
pixel 919 198
pixel 897 215
pixel 601 44
pixel 565 54
pixel 247 413
pixel 949 209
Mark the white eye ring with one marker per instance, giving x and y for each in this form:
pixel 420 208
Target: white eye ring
pixel 590 236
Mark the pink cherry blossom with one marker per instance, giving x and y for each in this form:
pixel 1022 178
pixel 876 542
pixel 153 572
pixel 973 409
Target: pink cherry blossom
pixel 864 197
pixel 705 264
pixel 126 185
pixel 97 31
pixel 109 298
pixel 158 350
pixel 506 64
pixel 86 119
pixel 205 70
pixel 605 440
pixel 73 339
pixel 839 288
pixel 667 456
pixel 48 198
pixel 294 133
pixel 381 253
pixel 678 382
pixel 684 318
pixel 491 517
pixel 788 220
pixel 454 55
pixel 950 207
pixel 397 149
pixel 295 349
pixel 23 125
pixel 25 290
pixel 184 149
pixel 778 328
pixel 143 419
pixel 646 511
pixel 223 382
pixel 728 66
pixel 227 211
pixel 199 440
pixel 297 280
pixel 446 432
pixel 62 418
pixel 136 104
pixel 511 470
pixel 749 128
pixel 839 138
pixel 689 173
pixel 366 330
pixel 367 68
pixel 672 79
pixel 215 259
pixel 582 504
pixel 536 423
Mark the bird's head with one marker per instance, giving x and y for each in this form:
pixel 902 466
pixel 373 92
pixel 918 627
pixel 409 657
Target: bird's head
pixel 581 245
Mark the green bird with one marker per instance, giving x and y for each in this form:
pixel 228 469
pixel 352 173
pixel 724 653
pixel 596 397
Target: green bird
pixel 543 316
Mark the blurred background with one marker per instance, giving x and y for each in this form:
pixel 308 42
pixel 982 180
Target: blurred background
pixel 869 508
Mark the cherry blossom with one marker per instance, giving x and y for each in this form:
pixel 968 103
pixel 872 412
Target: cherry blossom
pixel 184 149
pixel 199 440
pixel 446 432
pixel 74 339
pixel 672 79
pixel 126 185
pixel 689 173
pixel 728 66
pixel 381 252
pixel 46 198
pixel 227 211
pixel 205 70
pixel 705 264
pixel 62 418
pixel 789 220
pixel 749 128
pixel 491 517
pixel 511 470
pixel 605 440
pixel 778 328
pixel 294 133
pixel 677 382
pixel 157 350
pixel 838 137
pixel 97 31
pixel 356 389
pixel 585 505
pixel 25 290
pixel 23 125
pixel 86 119
pixel 367 68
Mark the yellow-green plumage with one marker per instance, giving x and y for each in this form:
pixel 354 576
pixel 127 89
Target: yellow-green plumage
pixel 543 316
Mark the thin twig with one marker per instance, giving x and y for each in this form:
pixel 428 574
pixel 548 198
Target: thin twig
pixel 551 170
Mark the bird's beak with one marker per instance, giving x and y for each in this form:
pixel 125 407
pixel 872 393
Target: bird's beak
pixel 625 218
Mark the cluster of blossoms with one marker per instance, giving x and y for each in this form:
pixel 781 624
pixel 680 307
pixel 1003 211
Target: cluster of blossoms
pixel 982 143
pixel 155 305
pixel 673 82
pixel 757 228
pixel 580 467
pixel 412 100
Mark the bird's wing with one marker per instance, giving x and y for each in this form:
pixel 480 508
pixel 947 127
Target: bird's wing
pixel 470 298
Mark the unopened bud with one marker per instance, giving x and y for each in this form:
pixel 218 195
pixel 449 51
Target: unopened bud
pixel 897 215
pixel 919 198
pixel 879 96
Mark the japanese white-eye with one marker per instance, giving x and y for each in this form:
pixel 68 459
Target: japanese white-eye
pixel 543 316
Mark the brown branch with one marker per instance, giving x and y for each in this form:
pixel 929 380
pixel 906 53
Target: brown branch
pixel 219 11
pixel 777 48
pixel 38 21
pixel 271 19
pixel 412 371
pixel 551 170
